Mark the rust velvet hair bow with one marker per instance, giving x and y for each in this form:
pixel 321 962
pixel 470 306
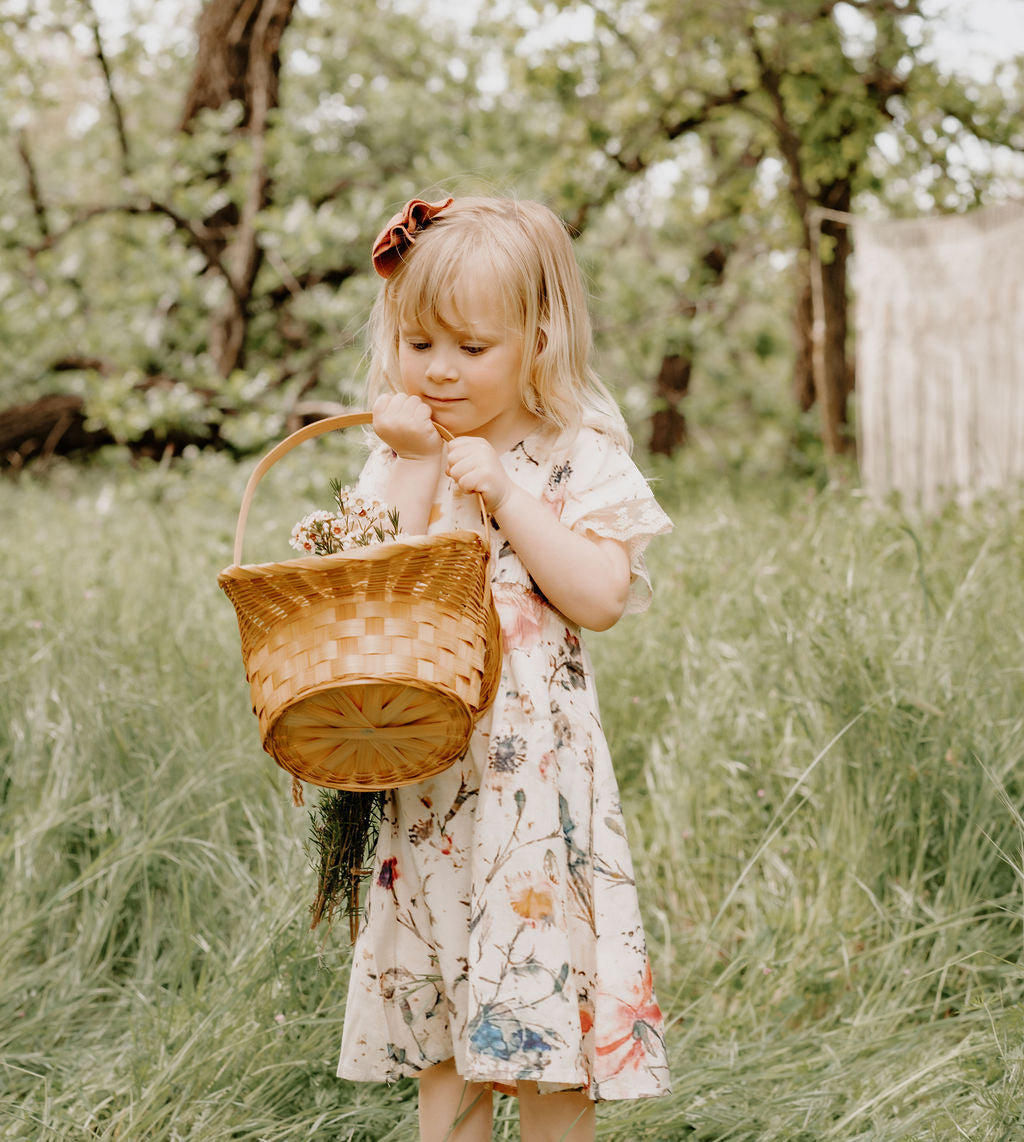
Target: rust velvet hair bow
pixel 400 233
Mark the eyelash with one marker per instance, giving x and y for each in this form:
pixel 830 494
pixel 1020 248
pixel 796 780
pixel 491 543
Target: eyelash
pixel 472 350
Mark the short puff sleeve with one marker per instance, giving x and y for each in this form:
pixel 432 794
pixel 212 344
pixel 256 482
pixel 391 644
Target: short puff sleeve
pixel 602 492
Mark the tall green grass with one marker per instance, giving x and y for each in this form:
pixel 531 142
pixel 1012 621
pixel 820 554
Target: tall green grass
pixel 818 730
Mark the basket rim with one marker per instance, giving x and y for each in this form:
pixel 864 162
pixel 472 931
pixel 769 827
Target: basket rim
pixel 311 432
pixel 371 553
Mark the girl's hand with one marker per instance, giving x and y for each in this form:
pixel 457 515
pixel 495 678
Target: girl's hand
pixel 403 422
pixel 475 467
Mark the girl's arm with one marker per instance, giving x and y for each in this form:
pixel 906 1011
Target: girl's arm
pixel 404 423
pixel 585 577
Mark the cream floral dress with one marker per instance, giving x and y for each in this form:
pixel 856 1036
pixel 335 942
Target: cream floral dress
pixel 502 926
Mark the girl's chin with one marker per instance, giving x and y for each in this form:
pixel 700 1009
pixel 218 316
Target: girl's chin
pixel 452 415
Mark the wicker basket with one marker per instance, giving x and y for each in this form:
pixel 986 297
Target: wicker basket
pixel 369 668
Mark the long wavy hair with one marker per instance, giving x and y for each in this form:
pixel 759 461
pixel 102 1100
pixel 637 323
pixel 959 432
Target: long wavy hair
pixel 524 250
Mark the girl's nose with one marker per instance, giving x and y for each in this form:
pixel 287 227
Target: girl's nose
pixel 441 366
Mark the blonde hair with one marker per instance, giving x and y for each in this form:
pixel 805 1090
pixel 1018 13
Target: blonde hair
pixel 525 250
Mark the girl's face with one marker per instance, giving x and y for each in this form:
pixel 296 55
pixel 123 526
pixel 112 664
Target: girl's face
pixel 466 366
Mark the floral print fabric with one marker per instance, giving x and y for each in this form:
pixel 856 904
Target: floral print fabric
pixel 502 925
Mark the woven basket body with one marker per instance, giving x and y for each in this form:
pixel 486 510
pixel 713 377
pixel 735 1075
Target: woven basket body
pixel 368 669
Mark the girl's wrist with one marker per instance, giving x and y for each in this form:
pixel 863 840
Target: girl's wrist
pixel 504 496
pixel 425 458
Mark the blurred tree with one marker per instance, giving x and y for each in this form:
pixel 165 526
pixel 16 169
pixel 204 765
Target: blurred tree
pixel 191 218
pixel 237 62
pixel 189 198
pixel 816 84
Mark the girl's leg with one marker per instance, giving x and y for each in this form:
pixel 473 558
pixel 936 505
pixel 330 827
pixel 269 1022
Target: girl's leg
pixel 451 1109
pixel 567 1116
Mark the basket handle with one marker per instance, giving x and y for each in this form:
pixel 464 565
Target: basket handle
pixel 310 432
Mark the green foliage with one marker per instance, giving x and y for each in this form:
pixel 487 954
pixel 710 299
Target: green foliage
pixel 717 129
pixel 344 827
pixel 817 730
pixel 116 255
pixel 671 135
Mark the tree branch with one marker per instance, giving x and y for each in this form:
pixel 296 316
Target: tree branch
pixel 195 233
pixel 298 284
pixel 666 130
pixel 898 8
pixel 671 129
pixel 32 185
pixel 112 99
pixel 789 141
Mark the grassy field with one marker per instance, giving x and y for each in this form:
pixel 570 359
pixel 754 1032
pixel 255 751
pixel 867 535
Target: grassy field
pixel 818 730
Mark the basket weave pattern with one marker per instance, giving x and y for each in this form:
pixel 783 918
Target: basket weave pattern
pixel 368 669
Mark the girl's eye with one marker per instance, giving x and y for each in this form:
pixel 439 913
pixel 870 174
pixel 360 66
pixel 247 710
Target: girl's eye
pixel 418 346
pixel 474 350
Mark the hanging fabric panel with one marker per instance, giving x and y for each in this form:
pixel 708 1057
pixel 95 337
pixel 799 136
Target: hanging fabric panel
pixel 940 354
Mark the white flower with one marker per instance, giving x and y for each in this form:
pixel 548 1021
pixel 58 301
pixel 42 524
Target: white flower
pixel 300 538
pixel 358 522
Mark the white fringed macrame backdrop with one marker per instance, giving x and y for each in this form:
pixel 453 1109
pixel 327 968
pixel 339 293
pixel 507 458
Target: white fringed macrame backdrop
pixel 940 354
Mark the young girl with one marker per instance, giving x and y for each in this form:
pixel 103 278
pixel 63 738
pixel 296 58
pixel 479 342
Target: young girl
pixel 502 946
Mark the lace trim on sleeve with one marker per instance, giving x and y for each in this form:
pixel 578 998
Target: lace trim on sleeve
pixel 634 523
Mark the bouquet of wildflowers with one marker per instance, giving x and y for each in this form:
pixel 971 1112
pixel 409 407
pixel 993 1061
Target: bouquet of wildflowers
pixel 345 823
pixel 356 522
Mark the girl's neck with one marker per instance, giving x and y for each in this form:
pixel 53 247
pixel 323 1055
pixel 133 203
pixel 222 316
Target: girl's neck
pixel 515 431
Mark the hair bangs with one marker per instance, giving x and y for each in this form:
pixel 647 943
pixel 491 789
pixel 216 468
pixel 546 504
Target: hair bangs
pixel 433 290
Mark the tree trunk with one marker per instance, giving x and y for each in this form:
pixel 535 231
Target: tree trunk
pixel 668 423
pixel 56 425
pixel 837 371
pixel 822 371
pixel 803 336
pixel 238 59
pixel 830 253
pixel 43 427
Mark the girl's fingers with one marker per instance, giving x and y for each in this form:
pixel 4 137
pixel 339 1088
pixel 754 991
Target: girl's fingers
pixel 471 449
pixel 472 478
pixel 476 467
pixel 403 421
pixel 400 407
pixel 466 468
